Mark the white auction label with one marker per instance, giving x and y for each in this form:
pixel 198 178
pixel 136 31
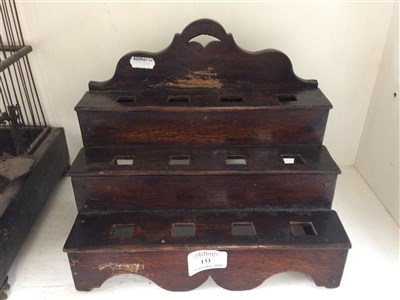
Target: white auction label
pixel 141 62
pixel 205 260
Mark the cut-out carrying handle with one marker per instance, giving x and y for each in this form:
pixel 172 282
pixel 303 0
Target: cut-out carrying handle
pixel 206 27
pixel 267 69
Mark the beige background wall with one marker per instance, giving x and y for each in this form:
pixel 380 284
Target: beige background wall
pixel 340 44
pixel 378 153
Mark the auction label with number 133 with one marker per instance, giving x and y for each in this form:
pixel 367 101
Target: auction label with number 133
pixel 205 260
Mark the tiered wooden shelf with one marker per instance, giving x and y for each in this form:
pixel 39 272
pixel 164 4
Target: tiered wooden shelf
pixel 200 149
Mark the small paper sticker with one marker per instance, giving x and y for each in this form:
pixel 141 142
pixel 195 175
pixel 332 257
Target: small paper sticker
pixel 205 260
pixel 141 62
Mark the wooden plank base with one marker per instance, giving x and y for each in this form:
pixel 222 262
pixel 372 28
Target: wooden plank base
pixel 51 162
pixel 147 247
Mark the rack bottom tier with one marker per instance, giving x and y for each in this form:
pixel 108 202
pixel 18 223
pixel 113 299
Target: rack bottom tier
pixel 180 250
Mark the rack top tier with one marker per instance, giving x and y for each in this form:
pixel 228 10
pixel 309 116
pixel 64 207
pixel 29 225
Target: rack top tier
pixel 188 75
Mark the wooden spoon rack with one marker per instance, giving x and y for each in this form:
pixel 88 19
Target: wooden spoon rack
pixel 204 152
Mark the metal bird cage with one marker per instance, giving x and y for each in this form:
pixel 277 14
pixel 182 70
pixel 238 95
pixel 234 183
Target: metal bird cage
pixel 21 115
pixel 33 155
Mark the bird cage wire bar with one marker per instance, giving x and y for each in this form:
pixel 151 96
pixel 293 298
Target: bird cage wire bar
pixel 21 115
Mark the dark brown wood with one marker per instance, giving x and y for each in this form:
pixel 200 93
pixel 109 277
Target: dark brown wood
pixel 313 159
pixel 206 182
pixel 153 252
pixel 221 64
pixel 204 148
pixel 217 95
pixel 248 267
pixel 232 127
pixel 99 194
pixel 29 194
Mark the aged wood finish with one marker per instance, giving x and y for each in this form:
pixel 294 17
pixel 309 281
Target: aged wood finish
pixel 215 95
pixel 51 162
pixel 259 119
pixel 206 181
pixel 102 194
pixel 248 268
pixel 153 252
pixel 221 64
pixel 209 148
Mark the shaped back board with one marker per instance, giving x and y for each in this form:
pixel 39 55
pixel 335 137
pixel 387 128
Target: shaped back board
pixel 186 64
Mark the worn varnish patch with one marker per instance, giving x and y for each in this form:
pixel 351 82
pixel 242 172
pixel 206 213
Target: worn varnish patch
pixel 115 267
pixel 193 79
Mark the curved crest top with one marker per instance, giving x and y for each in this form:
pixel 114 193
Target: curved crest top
pixel 186 64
